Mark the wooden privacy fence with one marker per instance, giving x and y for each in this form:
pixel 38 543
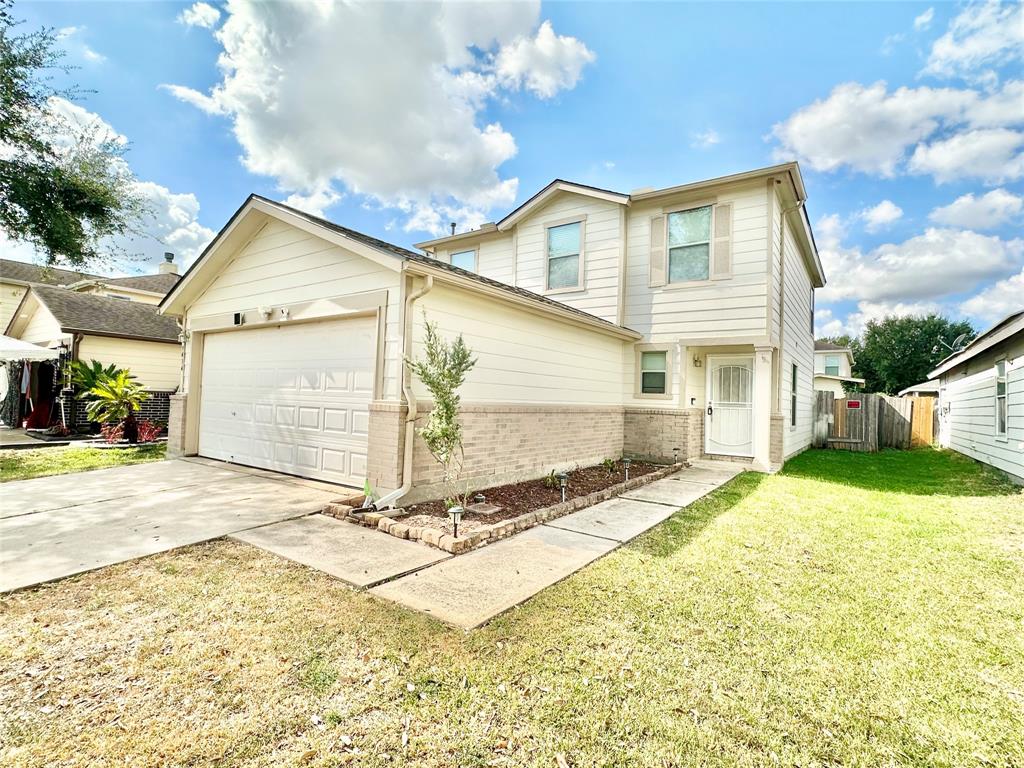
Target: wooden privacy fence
pixel 867 422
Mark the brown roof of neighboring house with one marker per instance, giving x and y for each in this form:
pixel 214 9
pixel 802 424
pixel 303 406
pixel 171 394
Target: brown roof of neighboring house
pixel 828 346
pixel 154 283
pixel 103 316
pixel 23 272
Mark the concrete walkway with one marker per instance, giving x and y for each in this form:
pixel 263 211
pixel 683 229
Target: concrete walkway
pixel 52 527
pixel 470 590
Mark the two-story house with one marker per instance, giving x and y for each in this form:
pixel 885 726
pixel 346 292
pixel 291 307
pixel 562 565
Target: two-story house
pixel 833 366
pixel 667 323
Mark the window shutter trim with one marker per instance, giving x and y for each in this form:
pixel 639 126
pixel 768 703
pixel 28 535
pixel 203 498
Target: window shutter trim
pixel 659 255
pixel 721 249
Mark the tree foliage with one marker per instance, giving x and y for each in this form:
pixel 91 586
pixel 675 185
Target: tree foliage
pixel 443 371
pixel 897 352
pixel 64 186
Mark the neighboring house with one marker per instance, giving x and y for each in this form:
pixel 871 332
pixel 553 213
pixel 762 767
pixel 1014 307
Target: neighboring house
pixel 111 320
pixel 17 276
pixel 981 397
pixel 924 389
pixel 673 322
pixel 833 365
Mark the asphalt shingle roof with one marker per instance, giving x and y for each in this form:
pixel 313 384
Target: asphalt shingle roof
pixel 155 283
pixel 34 273
pixel 86 312
pixel 828 346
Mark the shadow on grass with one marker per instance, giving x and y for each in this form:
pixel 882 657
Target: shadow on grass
pixel 917 472
pixel 686 524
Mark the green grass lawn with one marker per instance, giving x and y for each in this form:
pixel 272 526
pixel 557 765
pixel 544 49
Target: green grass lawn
pixel 40 462
pixel 855 610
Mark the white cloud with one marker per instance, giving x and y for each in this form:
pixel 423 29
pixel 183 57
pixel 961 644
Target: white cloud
pixel 880 216
pixel 984 36
pixel 316 201
pixel 705 139
pixel 545 64
pixel 172 223
pixel 871 130
pixel 92 55
pixel 200 15
pixel 71 36
pixel 991 210
pixel 408 131
pixel 992 154
pixel 890 42
pixel 940 262
pixel 924 20
pixel 997 301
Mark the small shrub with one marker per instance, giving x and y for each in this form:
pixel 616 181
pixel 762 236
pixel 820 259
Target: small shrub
pixel 609 465
pixel 112 433
pixel 149 431
pixel 551 480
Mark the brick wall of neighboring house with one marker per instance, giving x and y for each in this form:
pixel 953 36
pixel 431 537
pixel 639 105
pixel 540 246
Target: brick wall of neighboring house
pixel 777 440
pixel 156 408
pixel 508 443
pixel 657 433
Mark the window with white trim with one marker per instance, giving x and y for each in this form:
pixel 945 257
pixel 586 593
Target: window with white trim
pixel 564 255
pixel 654 373
pixel 464 260
pixel 1001 398
pixel 689 245
pixel 831 365
pixel 812 310
pixel 792 397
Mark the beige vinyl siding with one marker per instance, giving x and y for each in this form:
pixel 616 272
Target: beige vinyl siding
pixel 971 393
pixel 829 385
pixel 42 328
pixel 736 306
pixel 284 265
pixel 115 292
pixel 522 356
pixel 10 297
pixel 156 365
pixel 844 361
pixel 797 347
pixel 599 295
pixel 494 259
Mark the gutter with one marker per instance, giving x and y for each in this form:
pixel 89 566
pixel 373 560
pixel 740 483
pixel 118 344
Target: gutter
pixel 410 401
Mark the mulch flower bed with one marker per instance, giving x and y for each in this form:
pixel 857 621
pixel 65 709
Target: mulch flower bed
pixel 528 496
pixel 523 505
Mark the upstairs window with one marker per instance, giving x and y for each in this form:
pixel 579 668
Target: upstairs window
pixel 653 373
pixel 564 249
pixel 689 245
pixel 832 365
pixel 464 260
pixel 1001 398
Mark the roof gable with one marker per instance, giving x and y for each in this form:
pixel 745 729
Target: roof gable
pixel 556 187
pixel 1005 329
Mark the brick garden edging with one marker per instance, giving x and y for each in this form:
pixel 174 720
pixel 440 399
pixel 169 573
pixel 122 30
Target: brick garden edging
pixel 433 537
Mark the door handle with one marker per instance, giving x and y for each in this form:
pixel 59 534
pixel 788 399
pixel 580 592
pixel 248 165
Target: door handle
pixel 710 410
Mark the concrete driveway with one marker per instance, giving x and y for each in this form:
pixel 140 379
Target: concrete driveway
pixel 52 527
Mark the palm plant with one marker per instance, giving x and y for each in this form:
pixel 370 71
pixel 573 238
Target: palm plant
pixel 115 400
pixel 85 376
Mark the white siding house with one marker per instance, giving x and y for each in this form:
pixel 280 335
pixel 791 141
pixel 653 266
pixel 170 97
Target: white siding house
pixel 833 366
pixel 662 323
pixel 981 398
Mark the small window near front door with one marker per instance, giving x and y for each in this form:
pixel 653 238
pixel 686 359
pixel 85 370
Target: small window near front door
pixel 792 398
pixel 653 373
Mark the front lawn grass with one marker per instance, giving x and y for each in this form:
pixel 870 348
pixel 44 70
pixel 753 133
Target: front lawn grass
pixel 831 615
pixel 40 462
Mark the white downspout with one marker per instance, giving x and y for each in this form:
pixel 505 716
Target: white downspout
pixel 389 499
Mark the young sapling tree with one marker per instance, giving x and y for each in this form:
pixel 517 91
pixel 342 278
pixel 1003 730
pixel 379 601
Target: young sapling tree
pixel 443 371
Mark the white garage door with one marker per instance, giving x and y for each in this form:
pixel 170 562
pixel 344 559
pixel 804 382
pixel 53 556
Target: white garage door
pixel 291 398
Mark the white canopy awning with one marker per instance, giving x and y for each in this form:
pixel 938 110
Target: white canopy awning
pixel 16 349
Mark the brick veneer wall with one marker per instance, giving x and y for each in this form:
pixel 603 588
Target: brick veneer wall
pixel 507 443
pixel 654 433
pixel 156 408
pixel 775 450
pixel 176 425
pixel 386 449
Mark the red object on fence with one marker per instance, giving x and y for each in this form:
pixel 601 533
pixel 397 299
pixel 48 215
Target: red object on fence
pixel 853 405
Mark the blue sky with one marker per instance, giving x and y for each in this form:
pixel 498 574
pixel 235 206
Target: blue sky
pixel 395 119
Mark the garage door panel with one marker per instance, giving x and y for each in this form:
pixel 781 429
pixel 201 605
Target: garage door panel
pixel 290 398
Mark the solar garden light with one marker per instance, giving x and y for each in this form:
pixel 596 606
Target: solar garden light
pixel 455 513
pixel 675 455
pixel 563 481
pixel 479 498
pixel 626 462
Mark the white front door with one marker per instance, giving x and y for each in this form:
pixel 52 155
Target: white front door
pixel 290 398
pixel 729 416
